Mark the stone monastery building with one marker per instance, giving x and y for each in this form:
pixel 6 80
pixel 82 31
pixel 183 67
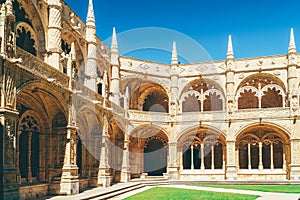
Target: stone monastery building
pixel 75 114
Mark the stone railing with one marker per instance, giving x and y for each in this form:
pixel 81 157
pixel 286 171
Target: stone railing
pixel 210 116
pixel 202 116
pixel 264 113
pixel 42 69
pixel 143 116
pixel 93 96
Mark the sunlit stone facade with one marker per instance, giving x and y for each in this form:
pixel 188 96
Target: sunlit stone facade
pixel 75 114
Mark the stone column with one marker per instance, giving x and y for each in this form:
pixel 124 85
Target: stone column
pixel 249 156
pixel 202 157
pixel 173 169
pixel 29 173
pixel 260 164
pixel 212 157
pixel 192 157
pixel 69 180
pixel 125 172
pixel 9 173
pixel 54 34
pixel 103 173
pixel 272 156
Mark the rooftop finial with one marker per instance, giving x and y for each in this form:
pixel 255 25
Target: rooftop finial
pixel 174 55
pixel 114 42
pixel 90 19
pixel 292 44
pixel 230 54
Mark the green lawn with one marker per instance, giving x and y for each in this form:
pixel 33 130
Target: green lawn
pixel 175 193
pixel 263 188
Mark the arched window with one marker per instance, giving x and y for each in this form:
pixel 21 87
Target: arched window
pixel 29 147
pixel 270 143
pixel 26 38
pixel 261 91
pixel 202 95
pixel 203 150
pixel 147 96
pixel 59 127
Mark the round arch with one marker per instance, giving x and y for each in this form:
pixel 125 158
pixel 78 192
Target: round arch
pixel 258 146
pixel 196 127
pixel 201 147
pixel 32 88
pixel 147 96
pixel 34 17
pixel 148 150
pixel 264 124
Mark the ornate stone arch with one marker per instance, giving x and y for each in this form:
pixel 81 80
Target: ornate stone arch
pixel 269 91
pixel 204 142
pixel 190 93
pixel 142 78
pixel 23 26
pixel 265 124
pixel 39 25
pixel 258 146
pixel 146 95
pixel 193 129
pixel 246 88
pixel 206 93
pixel 35 86
pixel 272 86
pixel 33 118
pixel 145 126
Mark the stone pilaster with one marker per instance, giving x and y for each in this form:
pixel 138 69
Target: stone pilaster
pixel 104 173
pixel 7 30
pixel 231 166
pixel 173 168
pixel 295 156
pixel 54 34
pixel 9 174
pixel 125 172
pixel 69 180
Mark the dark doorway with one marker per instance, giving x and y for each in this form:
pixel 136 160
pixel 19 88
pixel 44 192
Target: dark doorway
pixel 155 157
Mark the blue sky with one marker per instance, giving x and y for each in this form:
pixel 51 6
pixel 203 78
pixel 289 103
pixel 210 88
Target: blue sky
pixel 258 27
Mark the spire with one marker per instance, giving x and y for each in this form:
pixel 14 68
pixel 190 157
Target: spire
pixel 90 19
pixel 230 54
pixel 174 55
pixel 114 42
pixel 292 45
